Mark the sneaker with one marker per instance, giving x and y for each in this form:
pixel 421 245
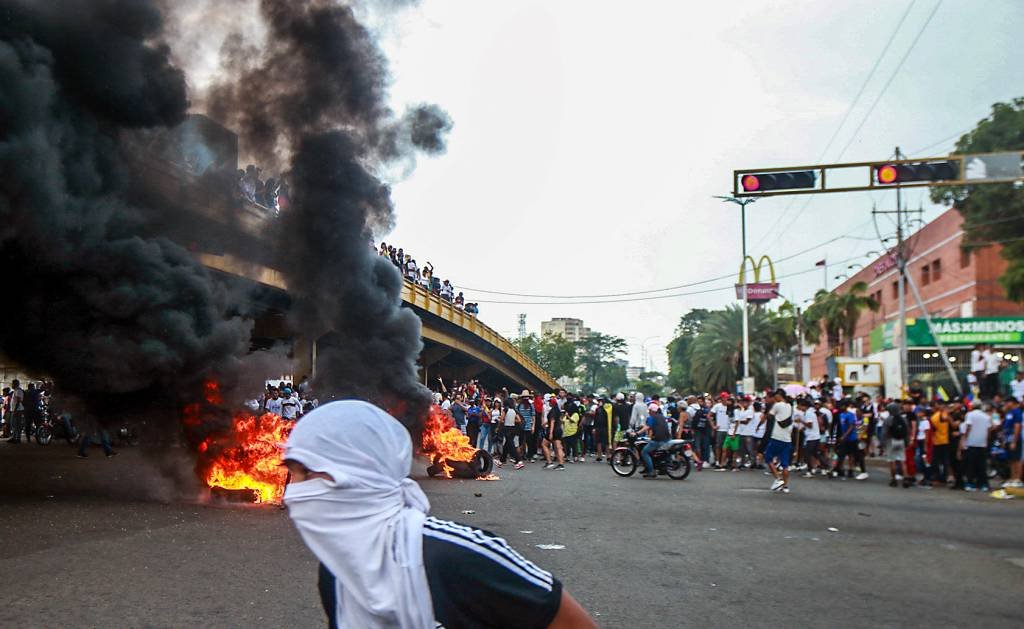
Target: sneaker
pixel 559 468
pixel 82 456
pixel 862 476
pixel 499 463
pixel 1016 483
pixel 549 466
pixel 785 489
pixel 969 487
pixel 899 477
pixel 519 465
pixel 893 483
pixel 720 469
pixel 598 459
pixel 835 474
pixel 807 475
pixel 111 453
pixel 778 484
pixel 985 488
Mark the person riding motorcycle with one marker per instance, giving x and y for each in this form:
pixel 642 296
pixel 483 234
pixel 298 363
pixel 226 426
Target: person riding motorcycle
pixel 657 426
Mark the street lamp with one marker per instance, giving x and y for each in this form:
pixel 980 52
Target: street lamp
pixel 743 203
pixel 841 276
pixel 850 266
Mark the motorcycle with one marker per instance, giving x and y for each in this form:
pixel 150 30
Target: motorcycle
pixel 51 428
pixel 671 459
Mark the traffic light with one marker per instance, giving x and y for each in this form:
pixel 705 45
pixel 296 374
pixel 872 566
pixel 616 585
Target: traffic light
pixel 763 182
pixel 889 174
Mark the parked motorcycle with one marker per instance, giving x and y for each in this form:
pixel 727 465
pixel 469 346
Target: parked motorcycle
pixel 60 427
pixel 671 459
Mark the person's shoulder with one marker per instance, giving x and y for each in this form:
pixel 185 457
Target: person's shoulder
pixel 466 552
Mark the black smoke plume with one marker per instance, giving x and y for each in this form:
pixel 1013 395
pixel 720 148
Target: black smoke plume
pixel 316 98
pixel 119 317
pixel 98 297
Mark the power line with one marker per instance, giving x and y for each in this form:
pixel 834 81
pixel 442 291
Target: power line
pixel 659 290
pixel 634 299
pixel 846 116
pixel 892 77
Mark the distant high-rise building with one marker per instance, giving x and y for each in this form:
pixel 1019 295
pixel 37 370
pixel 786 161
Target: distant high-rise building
pixel 570 329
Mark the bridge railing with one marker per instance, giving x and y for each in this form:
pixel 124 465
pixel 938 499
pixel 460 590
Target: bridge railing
pixel 422 298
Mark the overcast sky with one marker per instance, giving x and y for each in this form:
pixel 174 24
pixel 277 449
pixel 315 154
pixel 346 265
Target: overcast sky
pixel 589 138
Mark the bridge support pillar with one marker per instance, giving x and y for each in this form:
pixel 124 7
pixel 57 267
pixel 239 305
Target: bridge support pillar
pixel 303 357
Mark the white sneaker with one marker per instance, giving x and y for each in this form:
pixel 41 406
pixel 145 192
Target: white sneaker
pixel 549 466
pixel 778 484
pixel 899 477
pixel 862 476
pixel 785 489
pixel 807 475
pixel 1016 483
pixel 498 463
pixel 519 465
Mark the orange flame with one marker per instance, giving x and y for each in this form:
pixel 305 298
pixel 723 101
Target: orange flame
pixel 248 456
pixel 444 441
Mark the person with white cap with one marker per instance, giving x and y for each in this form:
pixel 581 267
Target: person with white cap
pixel 384 561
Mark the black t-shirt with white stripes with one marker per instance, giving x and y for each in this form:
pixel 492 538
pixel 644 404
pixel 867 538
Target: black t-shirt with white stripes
pixel 476 580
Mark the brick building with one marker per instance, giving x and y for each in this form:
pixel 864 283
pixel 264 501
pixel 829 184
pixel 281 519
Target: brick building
pixel 961 292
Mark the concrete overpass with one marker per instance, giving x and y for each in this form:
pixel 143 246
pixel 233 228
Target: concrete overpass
pixel 456 345
pixel 229 236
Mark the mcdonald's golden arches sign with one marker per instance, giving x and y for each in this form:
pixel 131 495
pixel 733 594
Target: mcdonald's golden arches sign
pixel 758 292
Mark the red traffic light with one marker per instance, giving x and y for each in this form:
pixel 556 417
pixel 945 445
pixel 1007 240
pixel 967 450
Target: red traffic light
pixel 887 174
pixel 750 183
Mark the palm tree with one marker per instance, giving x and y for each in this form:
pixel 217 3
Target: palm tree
pixel 716 355
pixel 837 314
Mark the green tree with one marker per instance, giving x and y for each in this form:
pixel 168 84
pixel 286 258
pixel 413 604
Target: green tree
pixel 552 352
pixel 837 315
pixel 679 376
pixel 611 378
pixel 717 353
pixel 596 355
pixel 994 212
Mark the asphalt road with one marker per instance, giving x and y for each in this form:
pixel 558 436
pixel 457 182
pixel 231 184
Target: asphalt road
pixel 116 543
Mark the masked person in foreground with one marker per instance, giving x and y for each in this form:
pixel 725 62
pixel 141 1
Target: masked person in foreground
pixel 383 561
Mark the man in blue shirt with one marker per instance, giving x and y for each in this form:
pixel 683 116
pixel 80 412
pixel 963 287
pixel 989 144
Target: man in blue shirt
pixel 1012 440
pixel 657 426
pixel 848 440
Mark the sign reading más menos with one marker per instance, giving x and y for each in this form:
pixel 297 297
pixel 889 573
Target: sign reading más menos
pixel 998 330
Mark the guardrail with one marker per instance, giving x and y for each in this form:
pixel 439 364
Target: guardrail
pixel 411 293
pixel 422 298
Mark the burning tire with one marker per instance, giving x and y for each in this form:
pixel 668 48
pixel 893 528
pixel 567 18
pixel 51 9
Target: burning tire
pixel 480 464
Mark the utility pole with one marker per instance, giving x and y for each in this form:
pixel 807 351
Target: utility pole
pixel 901 263
pixel 798 363
pixel 743 203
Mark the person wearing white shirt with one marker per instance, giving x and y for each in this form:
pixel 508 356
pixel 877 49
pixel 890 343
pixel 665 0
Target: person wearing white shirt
pixel 760 423
pixel 746 427
pixel 1017 386
pixel 990 382
pixel 812 439
pixel 720 415
pixel 274 403
pixel 780 445
pixel 974 446
pixel 924 426
pixel 638 417
pixel 837 390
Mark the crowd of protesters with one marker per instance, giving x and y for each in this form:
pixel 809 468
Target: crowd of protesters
pixel 285 399
pixel 956 443
pixel 424 277
pixel 270 193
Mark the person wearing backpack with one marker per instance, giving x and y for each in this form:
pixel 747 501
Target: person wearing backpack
pixel 897 429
